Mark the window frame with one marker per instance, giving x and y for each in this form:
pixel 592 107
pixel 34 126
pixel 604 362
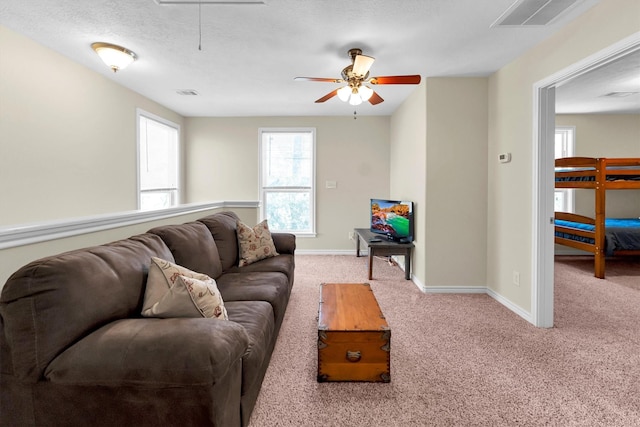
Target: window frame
pixel 263 190
pixel 177 200
pixel 568 150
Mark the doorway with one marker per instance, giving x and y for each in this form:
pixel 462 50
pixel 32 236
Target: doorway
pixel 543 182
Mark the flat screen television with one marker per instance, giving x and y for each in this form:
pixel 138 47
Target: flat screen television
pixel 393 218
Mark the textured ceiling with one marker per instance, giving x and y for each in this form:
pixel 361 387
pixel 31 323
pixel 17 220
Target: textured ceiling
pixel 251 53
pixel 587 93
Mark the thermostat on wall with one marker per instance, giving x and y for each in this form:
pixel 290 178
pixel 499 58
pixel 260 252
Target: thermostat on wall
pixel 505 157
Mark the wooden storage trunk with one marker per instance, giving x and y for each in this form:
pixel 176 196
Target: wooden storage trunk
pixel 354 339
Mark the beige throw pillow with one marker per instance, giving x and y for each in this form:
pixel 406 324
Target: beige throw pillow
pixel 175 291
pixel 255 243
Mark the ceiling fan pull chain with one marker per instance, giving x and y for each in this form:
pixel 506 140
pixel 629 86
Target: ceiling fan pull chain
pixel 354 115
pixel 199 26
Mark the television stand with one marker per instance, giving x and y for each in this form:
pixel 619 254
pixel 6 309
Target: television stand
pixel 379 245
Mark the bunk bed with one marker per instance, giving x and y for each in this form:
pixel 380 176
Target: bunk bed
pixel 600 236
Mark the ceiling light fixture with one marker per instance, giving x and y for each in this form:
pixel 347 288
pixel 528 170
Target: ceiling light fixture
pixel 116 57
pixel 355 95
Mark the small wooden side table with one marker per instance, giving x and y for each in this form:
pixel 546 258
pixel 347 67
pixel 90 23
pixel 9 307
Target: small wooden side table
pixel 383 248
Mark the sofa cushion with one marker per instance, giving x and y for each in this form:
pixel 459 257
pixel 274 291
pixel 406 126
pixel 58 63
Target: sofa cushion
pixel 283 263
pixel 254 243
pixel 257 319
pixel 222 226
pixel 53 302
pixel 259 286
pixel 192 246
pixel 152 352
pixel 175 291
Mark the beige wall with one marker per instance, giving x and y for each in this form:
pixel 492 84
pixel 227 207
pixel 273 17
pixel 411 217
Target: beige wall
pixel 606 135
pixel 511 130
pixel 439 160
pixel 456 179
pixel 408 168
pixel 67 136
pixel 222 154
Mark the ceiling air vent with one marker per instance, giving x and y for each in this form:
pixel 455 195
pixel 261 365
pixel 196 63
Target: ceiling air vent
pixel 161 2
pixel 619 94
pixel 524 13
pixel 187 92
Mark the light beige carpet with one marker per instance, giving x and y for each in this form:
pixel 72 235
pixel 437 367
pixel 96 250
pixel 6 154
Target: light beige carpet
pixel 465 360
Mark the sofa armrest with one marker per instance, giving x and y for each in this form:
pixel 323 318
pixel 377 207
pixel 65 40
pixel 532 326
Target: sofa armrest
pixel 153 353
pixel 285 243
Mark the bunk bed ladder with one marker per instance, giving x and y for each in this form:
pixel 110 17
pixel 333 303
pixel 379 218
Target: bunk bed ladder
pixel 600 196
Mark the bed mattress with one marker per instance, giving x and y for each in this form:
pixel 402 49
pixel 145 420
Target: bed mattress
pixel 620 233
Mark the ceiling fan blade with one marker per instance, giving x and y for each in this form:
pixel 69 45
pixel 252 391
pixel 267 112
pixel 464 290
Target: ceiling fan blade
pixel 375 99
pixel 328 96
pixel 361 64
pixel 395 80
pixel 318 79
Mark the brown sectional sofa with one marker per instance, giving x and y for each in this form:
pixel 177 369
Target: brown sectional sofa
pixel 74 349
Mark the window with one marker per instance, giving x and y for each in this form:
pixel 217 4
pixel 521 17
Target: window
pixel 564 147
pixel 287 180
pixel 158 160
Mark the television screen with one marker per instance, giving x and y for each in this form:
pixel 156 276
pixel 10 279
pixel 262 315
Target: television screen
pixel 393 218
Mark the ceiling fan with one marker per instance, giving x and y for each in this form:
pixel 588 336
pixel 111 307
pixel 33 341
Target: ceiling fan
pixel 356 76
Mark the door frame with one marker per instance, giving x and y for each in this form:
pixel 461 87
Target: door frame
pixel 542 289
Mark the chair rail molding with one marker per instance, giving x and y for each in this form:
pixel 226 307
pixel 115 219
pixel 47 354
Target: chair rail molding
pixel 20 235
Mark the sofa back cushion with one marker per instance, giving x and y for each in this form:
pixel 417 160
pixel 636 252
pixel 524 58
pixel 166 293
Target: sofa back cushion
pixel 192 246
pixel 51 303
pixel 223 228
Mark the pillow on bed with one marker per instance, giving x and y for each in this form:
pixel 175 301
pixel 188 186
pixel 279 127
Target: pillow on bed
pixel 254 243
pixel 175 291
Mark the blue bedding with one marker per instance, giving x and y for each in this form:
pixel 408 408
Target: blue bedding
pixel 620 233
pixel 610 176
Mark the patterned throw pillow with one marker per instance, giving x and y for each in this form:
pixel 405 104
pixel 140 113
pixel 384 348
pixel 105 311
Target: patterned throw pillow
pixel 255 243
pixel 175 291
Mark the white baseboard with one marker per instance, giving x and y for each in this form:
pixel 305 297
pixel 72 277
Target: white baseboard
pixel 454 290
pixel 511 306
pixel 435 289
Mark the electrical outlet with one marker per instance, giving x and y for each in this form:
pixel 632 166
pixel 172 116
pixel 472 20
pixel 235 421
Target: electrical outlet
pixel 352 235
pixel 516 278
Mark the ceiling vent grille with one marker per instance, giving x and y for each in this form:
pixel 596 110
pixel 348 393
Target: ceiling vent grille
pixel 526 13
pixel 619 94
pixel 187 92
pixel 161 2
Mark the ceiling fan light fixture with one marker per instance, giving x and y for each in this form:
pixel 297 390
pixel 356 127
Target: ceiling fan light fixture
pixel 365 93
pixel 116 57
pixel 344 93
pixel 355 98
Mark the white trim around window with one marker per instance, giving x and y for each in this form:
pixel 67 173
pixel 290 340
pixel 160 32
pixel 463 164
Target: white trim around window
pixel 286 181
pixel 169 191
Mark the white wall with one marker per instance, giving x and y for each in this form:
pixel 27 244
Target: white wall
pixel 222 154
pixel 606 135
pixel 511 130
pixel 67 136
